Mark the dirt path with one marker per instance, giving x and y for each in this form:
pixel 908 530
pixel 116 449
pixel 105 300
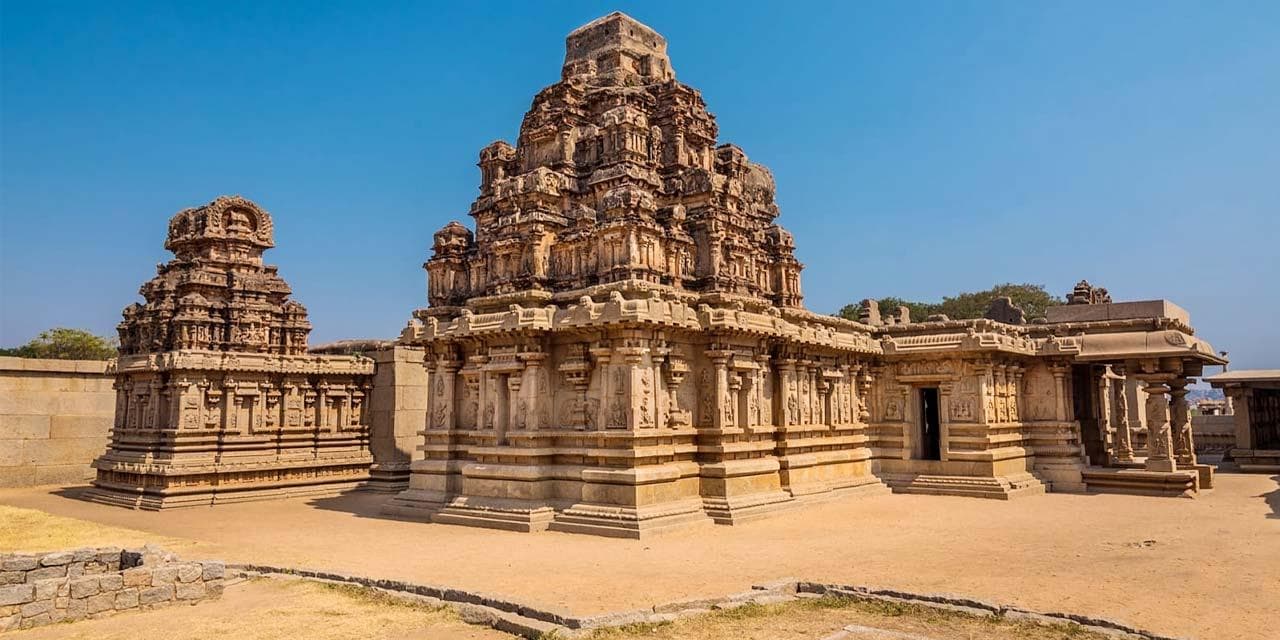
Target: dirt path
pixel 1204 568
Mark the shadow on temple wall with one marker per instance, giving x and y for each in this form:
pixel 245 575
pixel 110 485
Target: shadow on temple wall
pixel 1272 499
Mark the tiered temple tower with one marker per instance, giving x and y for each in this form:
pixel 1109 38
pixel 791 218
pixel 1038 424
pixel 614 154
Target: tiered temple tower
pixel 617 177
pixel 217 399
pixel 610 350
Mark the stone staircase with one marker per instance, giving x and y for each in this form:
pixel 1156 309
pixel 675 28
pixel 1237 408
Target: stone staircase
pixel 998 488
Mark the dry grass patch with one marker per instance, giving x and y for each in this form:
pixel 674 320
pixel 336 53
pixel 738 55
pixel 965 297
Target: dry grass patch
pixel 818 617
pixel 270 609
pixel 33 530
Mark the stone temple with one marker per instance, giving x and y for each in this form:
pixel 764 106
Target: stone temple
pixel 217 398
pixel 620 346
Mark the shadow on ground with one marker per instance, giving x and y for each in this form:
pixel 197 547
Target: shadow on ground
pixel 1272 499
pixel 361 504
pixel 75 492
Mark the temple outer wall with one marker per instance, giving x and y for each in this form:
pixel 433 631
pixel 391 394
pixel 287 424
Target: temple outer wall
pixel 397 414
pixel 1214 435
pixel 55 418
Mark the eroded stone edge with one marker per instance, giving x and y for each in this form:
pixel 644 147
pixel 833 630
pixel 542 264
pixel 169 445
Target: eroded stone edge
pixel 514 617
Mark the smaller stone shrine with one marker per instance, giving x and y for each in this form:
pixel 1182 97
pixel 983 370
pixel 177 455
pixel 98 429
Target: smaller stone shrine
pixel 1255 396
pixel 216 397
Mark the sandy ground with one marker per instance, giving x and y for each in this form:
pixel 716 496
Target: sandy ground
pixel 273 609
pixel 1203 568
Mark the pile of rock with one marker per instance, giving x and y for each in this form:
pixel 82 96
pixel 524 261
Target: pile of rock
pixel 39 589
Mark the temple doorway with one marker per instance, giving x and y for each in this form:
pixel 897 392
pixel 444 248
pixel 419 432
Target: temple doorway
pixel 1086 405
pixel 929 445
pixel 1264 416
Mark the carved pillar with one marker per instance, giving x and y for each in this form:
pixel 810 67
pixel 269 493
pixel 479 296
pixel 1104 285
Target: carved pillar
pixel 1105 411
pixel 747 399
pixel 1159 437
pixel 517 407
pixel 816 395
pixel 865 382
pixel 764 390
pixel 787 401
pixel 1120 419
pixel 1060 391
pixel 674 371
pixel 443 404
pixel 1016 408
pixel 636 392
pixel 534 396
pixel 1002 407
pixel 984 412
pixel 845 415
pixel 734 415
pixel 484 406
pixel 722 404
pixel 945 391
pixel 602 356
pixel 1180 426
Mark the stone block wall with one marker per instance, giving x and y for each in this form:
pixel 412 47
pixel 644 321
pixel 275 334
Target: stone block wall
pixel 40 589
pixel 397 414
pixel 55 417
pixel 1214 435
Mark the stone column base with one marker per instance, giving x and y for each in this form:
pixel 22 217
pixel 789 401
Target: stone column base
pixel 999 488
pixel 1142 482
pixel 1257 460
pixel 147 499
pixel 631 522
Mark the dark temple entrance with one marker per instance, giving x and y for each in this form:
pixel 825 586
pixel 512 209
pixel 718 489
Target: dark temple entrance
pixel 930 447
pixel 1264 418
pixel 1085 404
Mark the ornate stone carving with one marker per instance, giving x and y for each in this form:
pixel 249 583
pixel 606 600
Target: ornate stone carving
pixel 1085 293
pixel 215 386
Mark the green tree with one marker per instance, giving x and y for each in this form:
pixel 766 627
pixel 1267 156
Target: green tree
pixel 66 344
pixel 1032 298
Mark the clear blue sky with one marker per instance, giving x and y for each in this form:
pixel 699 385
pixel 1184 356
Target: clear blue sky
pixel 920 148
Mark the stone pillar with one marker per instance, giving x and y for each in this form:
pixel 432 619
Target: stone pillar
pixel 1060 390
pixel 788 403
pixel 1123 450
pixel 484 417
pixel 1001 393
pixel 1184 450
pixel 674 371
pixel 722 404
pixel 985 377
pixel 1159 436
pixel 945 391
pixel 815 394
pixel 1016 410
pixel 535 396
pixel 516 408
pixel 865 382
pixel 637 393
pixel 450 398
pixel 1105 411
pixel 603 355
pixel 765 390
